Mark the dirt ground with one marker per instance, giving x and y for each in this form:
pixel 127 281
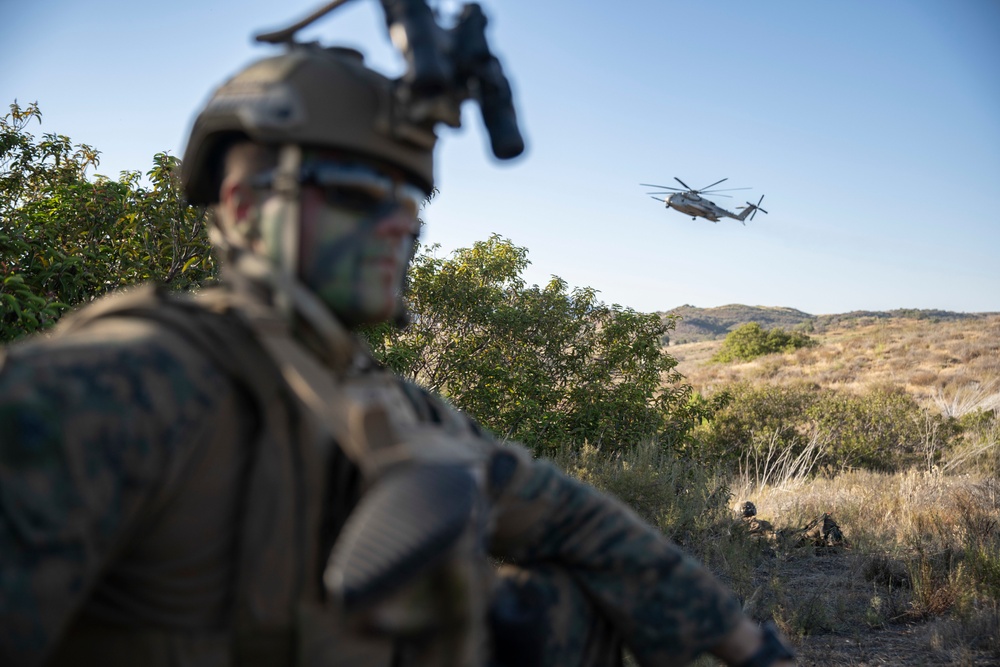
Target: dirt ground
pixel 906 646
pixel 911 645
pixel 826 602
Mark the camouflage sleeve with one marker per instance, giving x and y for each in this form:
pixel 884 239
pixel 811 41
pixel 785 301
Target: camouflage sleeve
pixel 91 426
pixel 667 607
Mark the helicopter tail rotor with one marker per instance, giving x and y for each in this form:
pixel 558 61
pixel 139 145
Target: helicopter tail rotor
pixel 749 211
pixel 756 207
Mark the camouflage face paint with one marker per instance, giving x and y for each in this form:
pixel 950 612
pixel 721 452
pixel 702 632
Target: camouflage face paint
pixel 356 226
pixel 273 214
pixel 354 260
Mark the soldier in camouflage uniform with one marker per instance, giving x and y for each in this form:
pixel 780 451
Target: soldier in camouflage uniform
pixel 230 479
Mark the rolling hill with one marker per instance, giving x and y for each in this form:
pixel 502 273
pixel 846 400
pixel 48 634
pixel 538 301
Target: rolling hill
pixel 701 324
pixel 943 360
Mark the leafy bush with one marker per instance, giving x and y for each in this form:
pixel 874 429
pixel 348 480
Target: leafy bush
pixel 750 341
pixel 977 447
pixel 548 366
pixel 878 430
pixel 67 239
pixel 756 413
pixel 685 418
pixel 881 429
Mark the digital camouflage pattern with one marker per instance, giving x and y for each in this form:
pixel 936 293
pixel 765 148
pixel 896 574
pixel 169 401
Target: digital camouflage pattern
pixel 100 433
pixel 132 456
pixel 666 607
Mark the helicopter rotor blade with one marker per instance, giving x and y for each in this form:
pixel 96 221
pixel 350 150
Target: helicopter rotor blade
pixel 713 184
pixel 724 190
pixel 682 183
pixel 662 187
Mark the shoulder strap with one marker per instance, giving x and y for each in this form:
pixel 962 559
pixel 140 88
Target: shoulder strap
pixel 208 322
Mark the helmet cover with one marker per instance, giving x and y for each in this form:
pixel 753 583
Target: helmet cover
pixel 309 96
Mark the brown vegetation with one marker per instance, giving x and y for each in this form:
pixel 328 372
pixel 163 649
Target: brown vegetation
pixel 918 584
pixel 917 581
pixel 951 365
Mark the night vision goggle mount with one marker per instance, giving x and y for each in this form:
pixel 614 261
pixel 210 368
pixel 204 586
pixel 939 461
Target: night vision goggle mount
pixel 446 66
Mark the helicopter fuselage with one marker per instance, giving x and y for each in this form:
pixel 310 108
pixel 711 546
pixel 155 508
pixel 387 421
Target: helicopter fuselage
pixel 697 207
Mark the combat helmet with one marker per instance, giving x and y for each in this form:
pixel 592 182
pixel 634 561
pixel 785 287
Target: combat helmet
pixel 328 98
pixel 309 96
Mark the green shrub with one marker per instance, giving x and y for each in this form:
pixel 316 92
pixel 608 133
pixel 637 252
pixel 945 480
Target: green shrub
pixel 67 238
pixel 877 430
pixel 977 445
pixel 697 412
pixel 752 411
pixel 547 366
pixel 881 429
pixel 750 341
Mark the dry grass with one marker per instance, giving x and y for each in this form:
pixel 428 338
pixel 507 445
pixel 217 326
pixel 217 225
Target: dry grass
pixel 923 553
pixel 937 362
pixel 918 580
pixel 902 517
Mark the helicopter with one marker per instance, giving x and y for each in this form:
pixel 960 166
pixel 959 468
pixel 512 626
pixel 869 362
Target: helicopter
pixel 691 202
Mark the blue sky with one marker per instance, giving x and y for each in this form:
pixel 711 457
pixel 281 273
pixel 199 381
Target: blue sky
pixel 873 129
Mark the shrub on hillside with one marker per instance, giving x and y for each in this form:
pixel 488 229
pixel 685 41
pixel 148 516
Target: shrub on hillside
pixel 977 447
pixel 698 410
pixel 756 413
pixel 751 341
pixel 881 429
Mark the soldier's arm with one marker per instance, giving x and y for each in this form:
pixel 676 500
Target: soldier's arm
pixel 90 425
pixel 667 607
